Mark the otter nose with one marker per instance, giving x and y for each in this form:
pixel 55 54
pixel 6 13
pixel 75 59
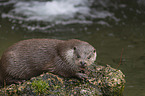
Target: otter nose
pixel 83 64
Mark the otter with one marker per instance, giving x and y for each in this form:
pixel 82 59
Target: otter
pixel 32 57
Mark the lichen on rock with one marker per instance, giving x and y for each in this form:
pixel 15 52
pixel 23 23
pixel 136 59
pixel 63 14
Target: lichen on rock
pixel 110 81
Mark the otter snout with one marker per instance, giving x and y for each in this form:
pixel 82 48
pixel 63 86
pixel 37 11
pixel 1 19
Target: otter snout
pixel 83 64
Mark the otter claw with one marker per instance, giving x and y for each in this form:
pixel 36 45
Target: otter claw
pixel 82 76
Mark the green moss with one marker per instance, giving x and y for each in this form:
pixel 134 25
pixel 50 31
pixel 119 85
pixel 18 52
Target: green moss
pixel 40 86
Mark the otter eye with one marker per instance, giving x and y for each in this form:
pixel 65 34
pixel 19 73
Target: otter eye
pixel 78 56
pixel 74 48
pixel 89 57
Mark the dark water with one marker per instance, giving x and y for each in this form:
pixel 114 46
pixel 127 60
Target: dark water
pixel 109 25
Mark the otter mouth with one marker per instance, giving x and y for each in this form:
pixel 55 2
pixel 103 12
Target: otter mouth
pixel 82 69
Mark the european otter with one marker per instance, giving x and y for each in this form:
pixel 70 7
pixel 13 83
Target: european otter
pixel 29 58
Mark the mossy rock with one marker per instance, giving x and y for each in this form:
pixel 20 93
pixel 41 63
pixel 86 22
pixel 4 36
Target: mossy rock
pixel 111 81
pixel 102 81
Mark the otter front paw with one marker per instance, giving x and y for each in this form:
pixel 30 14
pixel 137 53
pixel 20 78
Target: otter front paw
pixel 81 76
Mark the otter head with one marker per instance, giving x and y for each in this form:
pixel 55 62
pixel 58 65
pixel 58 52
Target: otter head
pixel 84 55
pixel 79 54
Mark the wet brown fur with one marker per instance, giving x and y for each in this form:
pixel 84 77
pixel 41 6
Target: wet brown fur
pixel 29 58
